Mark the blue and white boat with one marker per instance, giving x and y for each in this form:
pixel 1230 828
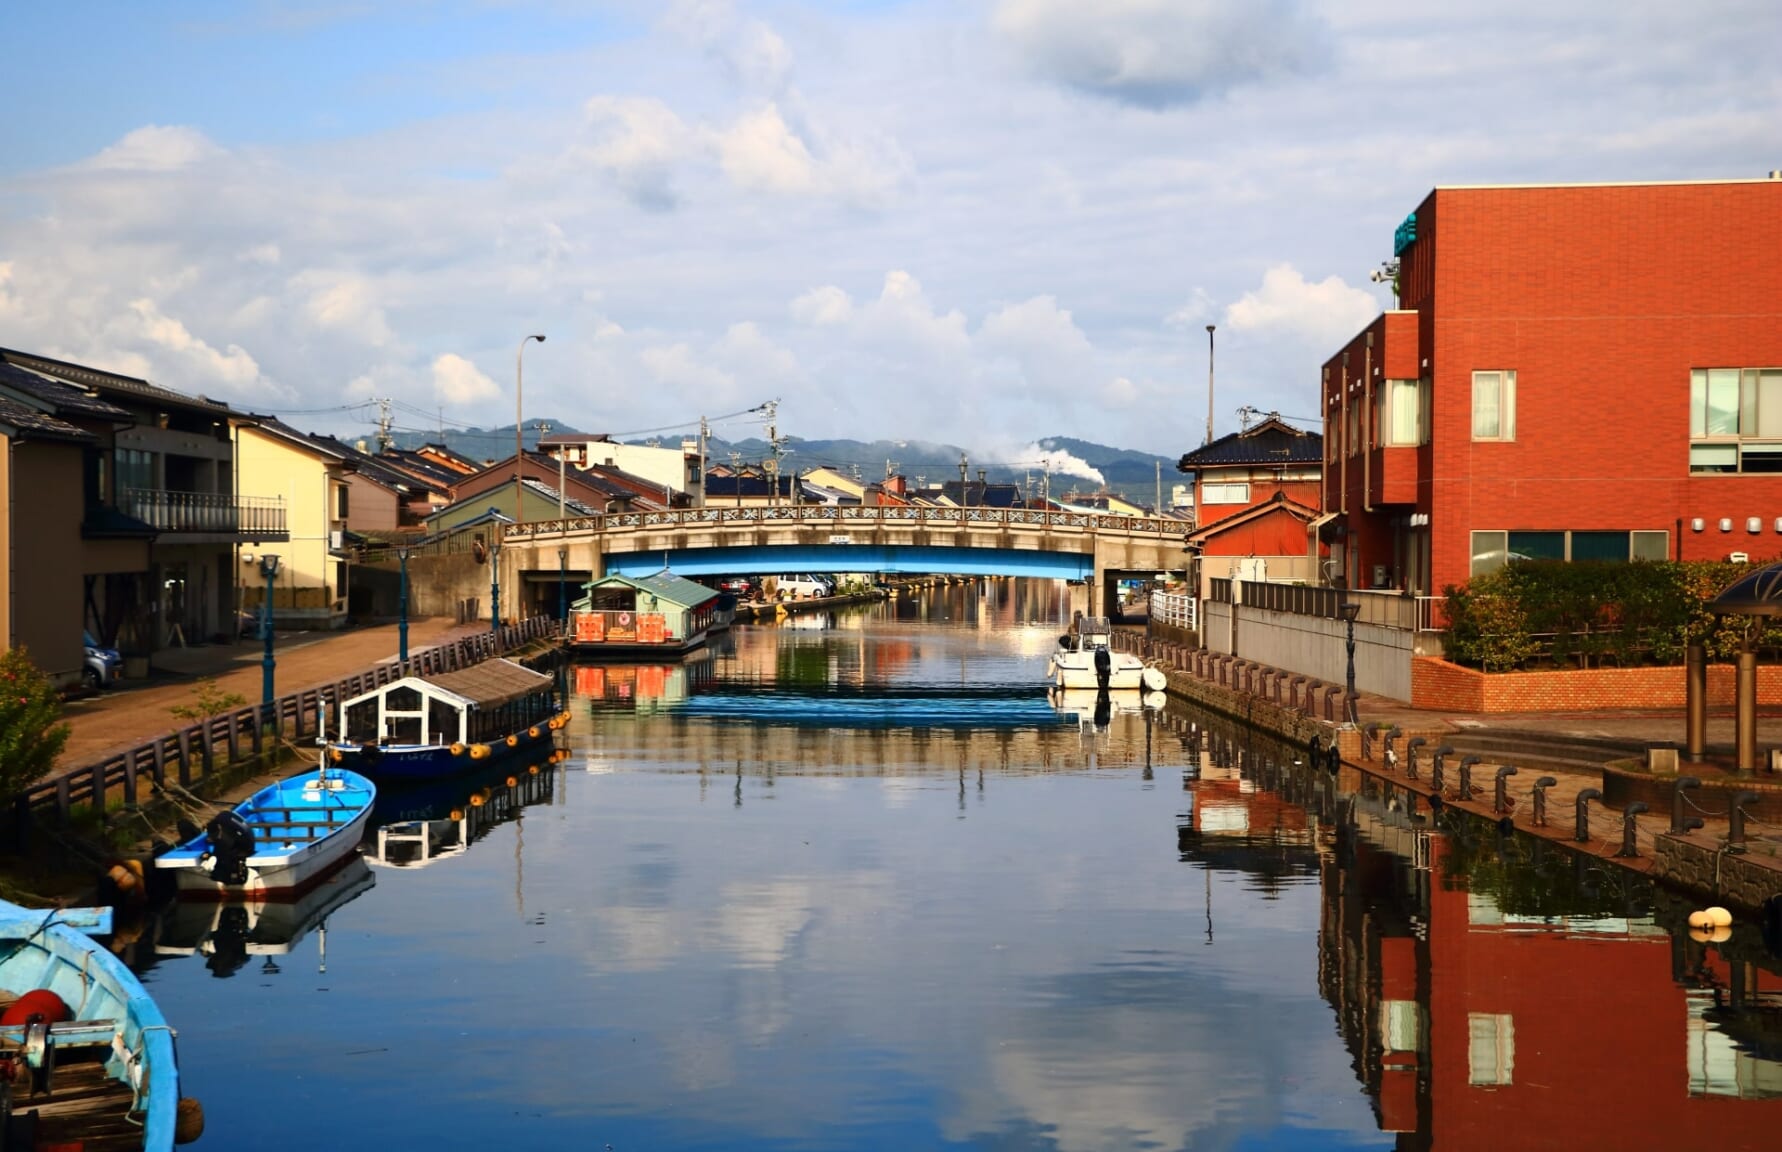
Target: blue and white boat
pixel 279 842
pixel 428 727
pixel 127 1099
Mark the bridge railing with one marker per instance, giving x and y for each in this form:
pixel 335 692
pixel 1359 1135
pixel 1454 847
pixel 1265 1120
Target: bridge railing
pixel 842 518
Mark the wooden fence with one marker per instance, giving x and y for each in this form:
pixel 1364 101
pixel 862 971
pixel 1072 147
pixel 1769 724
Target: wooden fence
pixel 189 754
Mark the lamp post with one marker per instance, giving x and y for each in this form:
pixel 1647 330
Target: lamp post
pixel 1350 609
pixel 495 580
pixel 268 569
pixel 1209 438
pixel 402 608
pixel 519 450
pixel 563 586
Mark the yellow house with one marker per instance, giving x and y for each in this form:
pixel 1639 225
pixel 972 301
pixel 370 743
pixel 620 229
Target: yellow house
pixel 309 589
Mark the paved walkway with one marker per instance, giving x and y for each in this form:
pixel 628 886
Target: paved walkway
pixel 137 710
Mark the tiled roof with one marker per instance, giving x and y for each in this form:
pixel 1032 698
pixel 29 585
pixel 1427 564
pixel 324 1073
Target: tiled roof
pixel 31 424
pixel 118 387
pixel 1270 442
pixel 65 398
pixel 665 585
pixel 491 683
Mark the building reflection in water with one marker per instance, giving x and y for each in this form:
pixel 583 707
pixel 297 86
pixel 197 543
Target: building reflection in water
pixel 1496 992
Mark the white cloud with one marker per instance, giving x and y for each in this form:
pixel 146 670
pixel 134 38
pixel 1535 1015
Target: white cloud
pixel 677 367
pixel 1059 461
pixel 1323 314
pixel 745 348
pixel 636 142
pixel 821 306
pixel 231 369
pixel 9 303
pixel 763 151
pixel 343 302
pixel 751 51
pixel 759 151
pixel 458 381
pixel 1195 313
pixel 1157 53
pixel 154 148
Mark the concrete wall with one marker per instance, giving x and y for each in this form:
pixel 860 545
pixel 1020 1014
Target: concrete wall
pixel 1315 646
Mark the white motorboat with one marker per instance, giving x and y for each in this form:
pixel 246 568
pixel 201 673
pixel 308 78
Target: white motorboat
pixel 1086 659
pixel 279 842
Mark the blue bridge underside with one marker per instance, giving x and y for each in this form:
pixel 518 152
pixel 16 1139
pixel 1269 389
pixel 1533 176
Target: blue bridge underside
pixel 787 558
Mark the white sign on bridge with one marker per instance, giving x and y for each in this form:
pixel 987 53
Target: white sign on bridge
pixel 841 538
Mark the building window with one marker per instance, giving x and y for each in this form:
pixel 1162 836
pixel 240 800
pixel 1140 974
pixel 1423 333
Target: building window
pixel 135 469
pixel 1494 405
pixel 1493 549
pixel 1735 420
pixel 1353 434
pixel 1224 493
pixel 1402 418
pixel 340 502
pixel 1491 1049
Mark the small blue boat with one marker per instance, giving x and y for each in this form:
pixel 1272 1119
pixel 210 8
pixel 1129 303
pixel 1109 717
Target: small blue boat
pixel 428 727
pixel 130 1098
pixel 279 842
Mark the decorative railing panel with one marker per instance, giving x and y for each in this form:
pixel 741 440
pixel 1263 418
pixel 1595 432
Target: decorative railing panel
pixel 220 512
pixel 829 514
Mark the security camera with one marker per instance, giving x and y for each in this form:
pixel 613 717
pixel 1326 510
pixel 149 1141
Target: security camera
pixel 1378 276
pixel 247 557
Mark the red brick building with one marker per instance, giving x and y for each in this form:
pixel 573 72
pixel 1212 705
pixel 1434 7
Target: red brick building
pixel 1578 372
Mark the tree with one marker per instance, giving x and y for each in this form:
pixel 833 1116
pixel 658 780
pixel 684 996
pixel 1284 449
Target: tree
pixel 208 701
pixel 30 736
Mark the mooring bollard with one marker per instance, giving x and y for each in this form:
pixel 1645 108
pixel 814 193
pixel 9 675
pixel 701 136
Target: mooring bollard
pixel 1681 824
pixel 1629 826
pixel 1540 799
pixel 1411 747
pixel 1500 798
pixel 1333 761
pixel 1735 820
pixel 1582 832
pixel 1435 778
pixel 1388 755
pixel 1466 776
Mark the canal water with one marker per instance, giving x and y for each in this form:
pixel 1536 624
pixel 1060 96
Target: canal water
pixel 854 881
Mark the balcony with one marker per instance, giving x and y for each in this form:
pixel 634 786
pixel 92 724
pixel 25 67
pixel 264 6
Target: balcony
pixel 223 516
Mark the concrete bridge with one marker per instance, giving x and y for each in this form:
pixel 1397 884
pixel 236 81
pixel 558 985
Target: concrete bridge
pixel 1092 547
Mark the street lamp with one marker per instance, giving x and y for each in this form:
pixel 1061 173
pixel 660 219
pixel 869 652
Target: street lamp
pixel 1209 438
pixel 495 578
pixel 563 586
pixel 402 608
pixel 268 569
pixel 519 450
pixel 1349 610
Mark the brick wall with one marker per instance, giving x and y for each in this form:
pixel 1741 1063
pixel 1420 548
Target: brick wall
pixel 1437 684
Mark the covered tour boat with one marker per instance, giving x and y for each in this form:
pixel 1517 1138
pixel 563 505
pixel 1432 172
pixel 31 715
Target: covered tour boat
pixel 423 727
pixel 645 616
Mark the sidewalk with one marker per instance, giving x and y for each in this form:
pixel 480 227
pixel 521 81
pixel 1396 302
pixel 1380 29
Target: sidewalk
pixel 137 710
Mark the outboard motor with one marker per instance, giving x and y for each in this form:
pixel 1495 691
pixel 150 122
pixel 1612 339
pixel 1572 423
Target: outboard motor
pixel 1104 668
pixel 1104 708
pixel 231 843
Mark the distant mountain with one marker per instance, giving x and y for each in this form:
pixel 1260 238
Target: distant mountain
pixel 1128 473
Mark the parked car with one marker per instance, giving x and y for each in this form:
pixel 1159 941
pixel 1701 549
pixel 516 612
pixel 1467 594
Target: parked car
pixel 801 586
pixel 102 666
pixel 736 585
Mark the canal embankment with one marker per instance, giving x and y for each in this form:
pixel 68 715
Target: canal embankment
pixel 1583 782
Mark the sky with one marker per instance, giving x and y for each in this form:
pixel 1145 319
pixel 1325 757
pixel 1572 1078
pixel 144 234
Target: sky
pixel 978 222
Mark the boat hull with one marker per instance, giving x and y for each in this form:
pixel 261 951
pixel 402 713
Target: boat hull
pixel 282 867
pixel 409 763
pixel 1075 671
pixel 40 953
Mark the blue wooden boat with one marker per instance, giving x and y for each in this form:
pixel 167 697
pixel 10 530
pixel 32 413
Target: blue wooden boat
pixel 279 842
pixel 427 727
pixel 106 1077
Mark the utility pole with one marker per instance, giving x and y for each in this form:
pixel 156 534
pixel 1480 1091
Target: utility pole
pixel 1158 507
pixel 704 432
pixel 736 475
pixel 981 485
pixel 964 467
pixel 773 442
pixel 1209 438
pixel 1046 480
pixel 385 441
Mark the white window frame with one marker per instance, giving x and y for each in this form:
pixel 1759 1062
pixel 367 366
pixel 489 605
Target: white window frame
pixel 1221 492
pixel 1748 415
pixel 1503 382
pixel 1656 541
pixel 1395 394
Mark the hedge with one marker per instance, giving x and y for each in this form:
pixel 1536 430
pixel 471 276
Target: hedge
pixel 1553 614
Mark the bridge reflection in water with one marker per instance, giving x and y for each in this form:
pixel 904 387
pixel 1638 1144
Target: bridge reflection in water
pixel 1496 992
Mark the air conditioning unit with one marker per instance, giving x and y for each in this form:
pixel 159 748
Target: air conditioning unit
pixel 1739 557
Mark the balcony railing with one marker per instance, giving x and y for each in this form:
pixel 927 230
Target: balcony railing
pixel 260 517
pixel 1174 608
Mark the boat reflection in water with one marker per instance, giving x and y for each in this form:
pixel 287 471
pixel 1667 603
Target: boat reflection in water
pixel 414 827
pixel 227 934
pixel 1499 992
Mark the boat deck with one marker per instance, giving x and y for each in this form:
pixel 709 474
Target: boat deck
pixel 84 1109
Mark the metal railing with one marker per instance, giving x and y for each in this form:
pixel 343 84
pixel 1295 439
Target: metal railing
pixel 1386 609
pixel 189 754
pixel 1174 608
pixel 1432 613
pixel 206 511
pixel 840 518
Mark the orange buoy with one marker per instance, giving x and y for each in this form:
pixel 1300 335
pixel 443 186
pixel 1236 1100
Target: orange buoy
pixel 479 751
pixel 457 813
pixel 513 741
pixel 533 731
pixel 38 1001
pixel 188 1120
pixel 457 749
pixel 532 770
pixel 334 755
pixel 512 780
pixel 476 799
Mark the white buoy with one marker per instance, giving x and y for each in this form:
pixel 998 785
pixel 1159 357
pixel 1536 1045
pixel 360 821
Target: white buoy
pixel 1154 679
pixel 1699 919
pixel 1718 917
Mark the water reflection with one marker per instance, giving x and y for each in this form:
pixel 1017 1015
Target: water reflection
pixel 421 824
pixel 228 934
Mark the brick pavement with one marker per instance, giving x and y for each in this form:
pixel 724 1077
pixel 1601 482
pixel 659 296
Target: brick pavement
pixel 138 710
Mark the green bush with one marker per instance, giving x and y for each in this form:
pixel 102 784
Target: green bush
pixel 1548 613
pixel 30 737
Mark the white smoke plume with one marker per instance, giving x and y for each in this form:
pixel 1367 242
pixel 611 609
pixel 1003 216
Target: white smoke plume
pixel 1062 463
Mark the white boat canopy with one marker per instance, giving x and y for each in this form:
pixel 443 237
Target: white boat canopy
pixel 478 688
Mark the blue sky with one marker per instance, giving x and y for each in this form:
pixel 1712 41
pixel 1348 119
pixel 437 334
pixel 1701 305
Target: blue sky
pixel 983 222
